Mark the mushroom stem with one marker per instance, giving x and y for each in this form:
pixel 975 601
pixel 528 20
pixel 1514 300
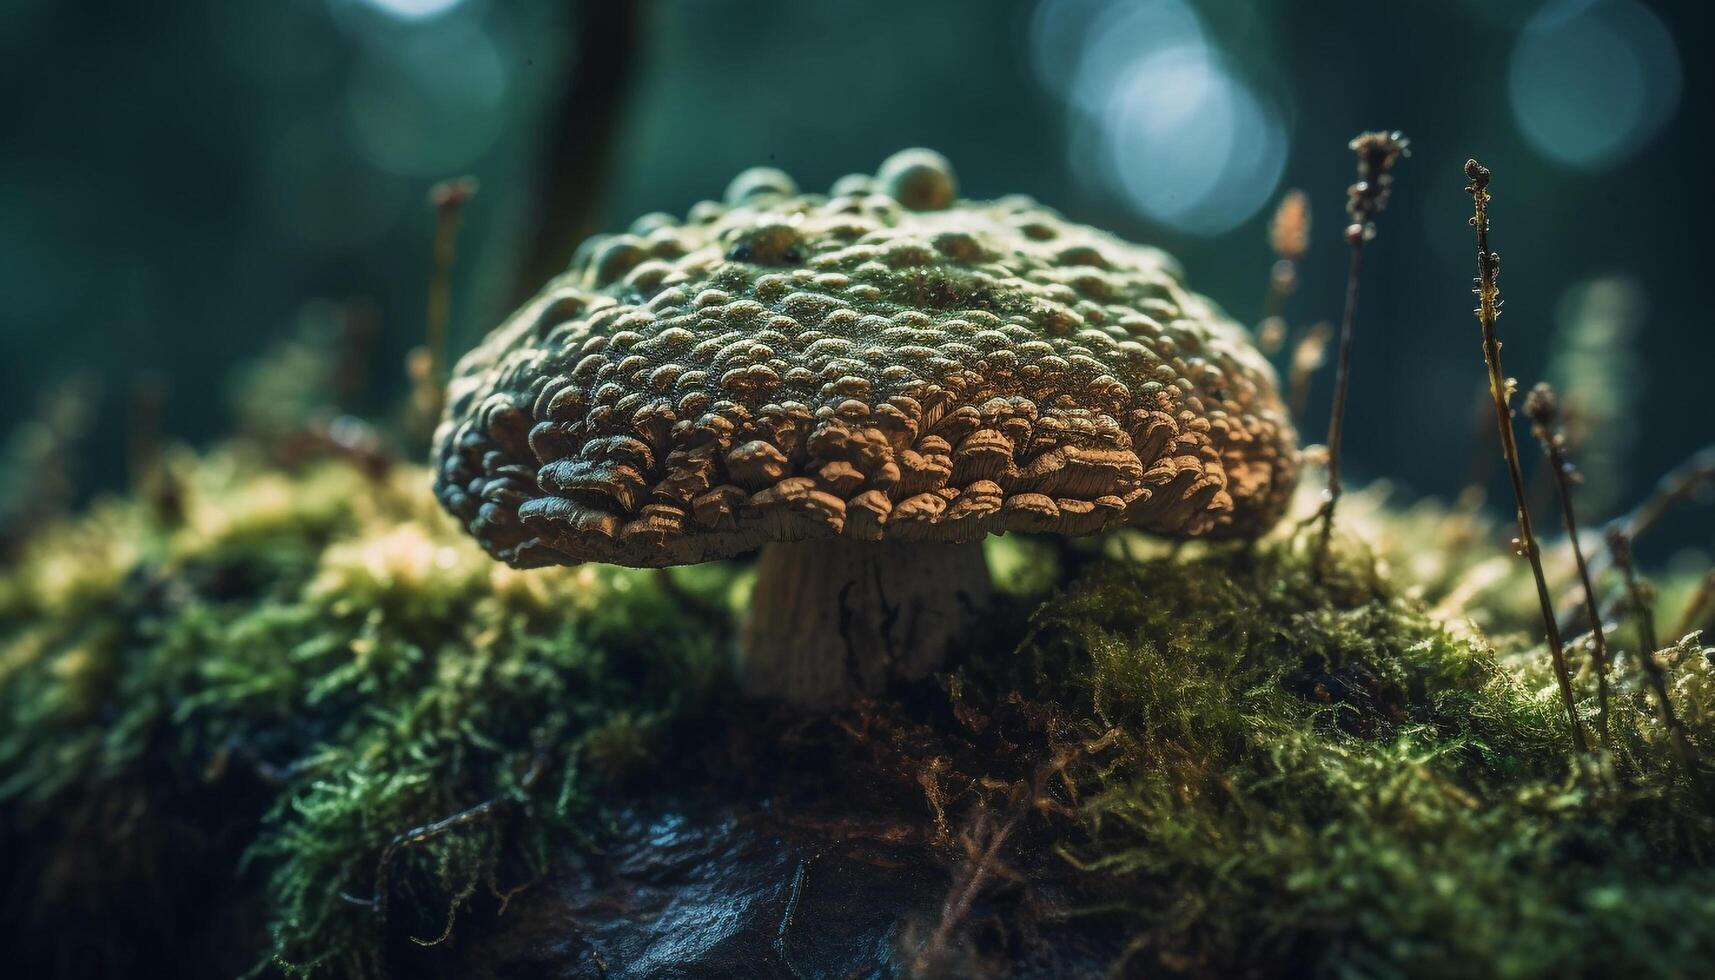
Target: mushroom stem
pixel 833 620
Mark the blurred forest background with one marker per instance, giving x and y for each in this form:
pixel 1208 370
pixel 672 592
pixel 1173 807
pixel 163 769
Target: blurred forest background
pixel 185 186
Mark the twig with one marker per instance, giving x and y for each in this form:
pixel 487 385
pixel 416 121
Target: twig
pixel 427 832
pixel 789 917
pixel 1620 546
pixel 1676 486
pixel 1500 388
pixel 984 860
pixel 984 841
pixel 1377 153
pixel 1543 409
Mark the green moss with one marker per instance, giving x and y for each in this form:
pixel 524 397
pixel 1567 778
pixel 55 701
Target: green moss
pixel 1248 769
pixel 1326 777
pixel 341 645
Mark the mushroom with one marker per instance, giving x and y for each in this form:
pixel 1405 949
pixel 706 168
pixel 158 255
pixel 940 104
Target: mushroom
pixel 863 385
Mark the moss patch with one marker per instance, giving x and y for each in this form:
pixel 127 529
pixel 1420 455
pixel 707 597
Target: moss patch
pixel 1323 779
pixel 211 734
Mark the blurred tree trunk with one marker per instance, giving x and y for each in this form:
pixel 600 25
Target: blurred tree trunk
pixel 578 148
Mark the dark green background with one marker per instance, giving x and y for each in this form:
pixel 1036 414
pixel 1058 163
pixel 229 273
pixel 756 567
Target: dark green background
pixel 162 162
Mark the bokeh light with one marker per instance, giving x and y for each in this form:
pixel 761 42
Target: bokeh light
pixel 1159 117
pixel 1189 144
pixel 1593 82
pixel 427 104
pixel 413 9
pixel 1082 49
pixel 287 145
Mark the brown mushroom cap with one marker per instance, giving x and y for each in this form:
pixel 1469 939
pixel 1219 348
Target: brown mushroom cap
pixel 886 362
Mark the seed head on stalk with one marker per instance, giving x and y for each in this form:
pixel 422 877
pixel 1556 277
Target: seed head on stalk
pixel 1368 197
pixel 1488 311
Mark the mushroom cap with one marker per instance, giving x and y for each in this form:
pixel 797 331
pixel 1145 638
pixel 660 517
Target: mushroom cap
pixel 885 362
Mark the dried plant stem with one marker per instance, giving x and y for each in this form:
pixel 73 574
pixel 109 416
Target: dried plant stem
pixel 789 918
pixel 1544 410
pixel 449 198
pixel 1365 200
pixel 1679 484
pixel 1598 637
pixel 1676 486
pixel 1337 415
pixel 1620 546
pixel 426 366
pixel 481 812
pixel 1488 312
pixel 151 478
pixel 983 846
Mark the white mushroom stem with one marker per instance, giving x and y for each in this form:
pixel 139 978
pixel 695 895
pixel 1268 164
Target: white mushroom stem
pixel 832 620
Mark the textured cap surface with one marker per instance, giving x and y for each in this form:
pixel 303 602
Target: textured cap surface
pixel 883 362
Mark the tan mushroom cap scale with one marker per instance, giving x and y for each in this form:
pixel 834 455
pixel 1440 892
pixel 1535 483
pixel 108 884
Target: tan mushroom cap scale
pixel 881 362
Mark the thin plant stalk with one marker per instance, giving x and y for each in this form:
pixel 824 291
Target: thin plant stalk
pixel 1337 414
pixel 1678 485
pixel 1365 199
pixel 426 365
pixel 1500 389
pixel 151 477
pixel 1543 408
pixel 449 198
pixel 1620 546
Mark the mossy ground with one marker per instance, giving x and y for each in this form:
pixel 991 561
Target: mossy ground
pixel 215 726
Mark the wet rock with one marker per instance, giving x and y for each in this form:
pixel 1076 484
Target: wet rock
pixel 743 893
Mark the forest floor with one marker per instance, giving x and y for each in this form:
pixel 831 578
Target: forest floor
pixel 293 721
